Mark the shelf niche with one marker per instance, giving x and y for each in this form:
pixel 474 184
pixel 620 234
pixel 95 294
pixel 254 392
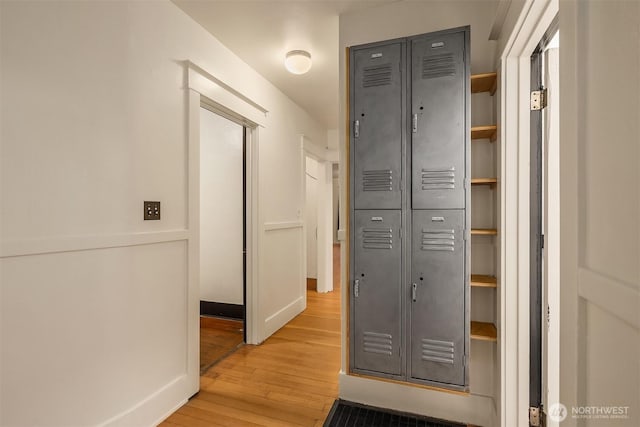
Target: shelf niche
pixel 484 132
pixel 484 231
pixel 483 331
pixel 483 281
pixel 486 82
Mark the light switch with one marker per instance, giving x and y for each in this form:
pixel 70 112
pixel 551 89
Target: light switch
pixel 151 210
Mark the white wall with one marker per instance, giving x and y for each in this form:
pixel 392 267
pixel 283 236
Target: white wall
pixel 93 122
pixel 403 19
pixel 221 199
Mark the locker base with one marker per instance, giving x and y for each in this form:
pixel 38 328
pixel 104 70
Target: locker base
pixel 458 390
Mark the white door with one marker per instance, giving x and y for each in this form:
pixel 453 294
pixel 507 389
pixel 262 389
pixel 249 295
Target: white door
pixel 311 217
pixel 600 213
pixel 221 210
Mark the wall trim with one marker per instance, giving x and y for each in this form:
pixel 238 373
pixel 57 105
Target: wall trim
pixel 169 397
pixel 282 225
pixel 222 309
pixel 469 409
pixel 25 247
pixel 231 100
pixel 284 315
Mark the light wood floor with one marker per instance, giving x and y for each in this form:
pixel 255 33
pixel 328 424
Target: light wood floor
pixel 218 339
pixel 289 380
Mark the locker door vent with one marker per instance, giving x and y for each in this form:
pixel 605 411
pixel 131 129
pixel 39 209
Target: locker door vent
pixel 377 238
pixel 377 180
pixel 379 75
pixel 377 343
pixel 439 179
pixel 441 65
pixel 438 351
pixel 438 240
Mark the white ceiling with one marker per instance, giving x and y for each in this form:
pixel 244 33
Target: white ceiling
pixel 262 32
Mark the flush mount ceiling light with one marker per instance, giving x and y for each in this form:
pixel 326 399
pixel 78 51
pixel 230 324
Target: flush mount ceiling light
pixel 298 61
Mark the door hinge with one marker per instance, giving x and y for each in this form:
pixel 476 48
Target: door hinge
pixel 356 288
pixel 542 241
pixel 534 416
pixel 414 124
pixel 356 129
pixel 538 99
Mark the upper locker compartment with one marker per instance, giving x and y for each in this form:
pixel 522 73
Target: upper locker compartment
pixel 376 126
pixel 438 121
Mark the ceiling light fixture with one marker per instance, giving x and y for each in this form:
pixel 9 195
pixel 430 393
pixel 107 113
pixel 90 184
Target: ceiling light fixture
pixel 298 61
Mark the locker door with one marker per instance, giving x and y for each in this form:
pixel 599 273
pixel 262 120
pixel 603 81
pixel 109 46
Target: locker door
pixel 438 103
pixel 377 86
pixel 437 318
pixel 376 291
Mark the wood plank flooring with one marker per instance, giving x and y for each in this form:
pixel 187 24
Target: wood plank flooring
pixel 218 338
pixel 289 380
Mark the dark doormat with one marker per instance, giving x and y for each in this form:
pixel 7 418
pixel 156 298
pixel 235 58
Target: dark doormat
pixel 349 414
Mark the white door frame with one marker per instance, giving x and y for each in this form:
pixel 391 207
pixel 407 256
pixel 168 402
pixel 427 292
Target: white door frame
pixel 324 252
pixel 203 88
pixel 514 148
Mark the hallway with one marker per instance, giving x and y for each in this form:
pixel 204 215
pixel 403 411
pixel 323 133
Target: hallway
pixel 289 380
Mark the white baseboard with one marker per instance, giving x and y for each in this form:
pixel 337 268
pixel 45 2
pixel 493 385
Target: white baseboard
pixel 164 401
pixel 469 409
pixel 283 316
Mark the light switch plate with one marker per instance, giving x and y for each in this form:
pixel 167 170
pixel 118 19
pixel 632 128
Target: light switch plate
pixel 151 211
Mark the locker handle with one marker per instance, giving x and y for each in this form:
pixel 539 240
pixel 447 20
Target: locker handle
pixel 356 288
pixel 414 292
pixel 414 122
pixel 356 129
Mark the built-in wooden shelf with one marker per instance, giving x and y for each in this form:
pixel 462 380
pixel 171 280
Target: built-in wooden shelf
pixel 484 231
pixel 484 181
pixel 484 83
pixel 483 331
pixel 483 281
pixel 484 132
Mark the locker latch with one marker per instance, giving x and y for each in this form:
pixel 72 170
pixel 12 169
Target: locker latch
pixel 356 129
pixel 414 292
pixel 414 123
pixel 356 288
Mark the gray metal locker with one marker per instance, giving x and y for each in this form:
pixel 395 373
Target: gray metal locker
pixel 376 314
pixel 409 259
pixel 438 311
pixel 377 126
pixel 438 128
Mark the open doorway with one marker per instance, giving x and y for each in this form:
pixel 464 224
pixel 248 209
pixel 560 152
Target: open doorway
pixel 319 218
pixel 311 221
pixel 222 237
